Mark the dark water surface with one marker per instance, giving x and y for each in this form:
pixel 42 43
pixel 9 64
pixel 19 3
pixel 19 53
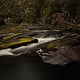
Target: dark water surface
pixel 28 68
pixel 32 68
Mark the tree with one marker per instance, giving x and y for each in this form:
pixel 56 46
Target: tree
pixel 71 7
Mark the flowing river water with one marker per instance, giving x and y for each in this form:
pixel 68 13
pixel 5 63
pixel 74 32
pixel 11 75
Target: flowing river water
pixel 25 49
pixel 43 36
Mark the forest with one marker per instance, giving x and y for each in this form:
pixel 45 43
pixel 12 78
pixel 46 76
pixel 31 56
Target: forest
pixel 41 12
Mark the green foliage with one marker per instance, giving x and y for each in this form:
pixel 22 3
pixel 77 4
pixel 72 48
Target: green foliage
pixel 73 7
pixel 51 7
pixel 35 11
pixel 31 11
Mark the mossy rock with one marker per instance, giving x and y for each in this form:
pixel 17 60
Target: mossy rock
pixel 19 42
pixel 10 36
pixel 51 45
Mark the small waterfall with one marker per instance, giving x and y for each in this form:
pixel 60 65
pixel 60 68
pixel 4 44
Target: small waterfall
pixel 22 49
pixel 25 49
pixel 6 52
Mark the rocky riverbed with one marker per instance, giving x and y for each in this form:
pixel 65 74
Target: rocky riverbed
pixel 54 46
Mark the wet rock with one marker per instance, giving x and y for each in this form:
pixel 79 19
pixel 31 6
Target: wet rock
pixel 67 50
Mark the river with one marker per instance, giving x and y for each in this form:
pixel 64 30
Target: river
pixel 43 36
pixel 25 49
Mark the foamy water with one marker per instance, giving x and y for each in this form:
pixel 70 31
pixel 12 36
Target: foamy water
pixel 5 52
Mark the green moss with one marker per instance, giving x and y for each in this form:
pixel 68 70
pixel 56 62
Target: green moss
pixel 51 45
pixel 25 24
pixel 10 36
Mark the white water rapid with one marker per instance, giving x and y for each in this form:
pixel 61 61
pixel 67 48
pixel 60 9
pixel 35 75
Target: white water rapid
pixel 24 49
